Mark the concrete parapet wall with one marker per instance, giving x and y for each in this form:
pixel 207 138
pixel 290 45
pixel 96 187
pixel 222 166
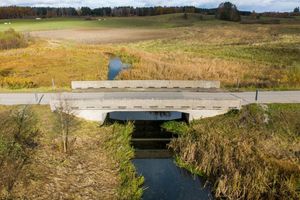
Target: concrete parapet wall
pixel 150 104
pixel 144 84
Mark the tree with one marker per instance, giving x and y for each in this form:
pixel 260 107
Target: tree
pixel 228 11
pixel 86 11
pixel 297 10
pixel 254 15
pixel 66 122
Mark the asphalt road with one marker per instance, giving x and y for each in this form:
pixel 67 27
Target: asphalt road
pixel 245 97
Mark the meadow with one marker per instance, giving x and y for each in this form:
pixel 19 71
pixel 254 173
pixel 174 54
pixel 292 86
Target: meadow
pixel 164 21
pixel 244 56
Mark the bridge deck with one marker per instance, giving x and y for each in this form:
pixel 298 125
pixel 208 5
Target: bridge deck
pixel 245 97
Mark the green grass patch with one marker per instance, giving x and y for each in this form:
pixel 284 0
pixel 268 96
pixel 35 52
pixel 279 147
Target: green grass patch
pixel 119 145
pixel 165 21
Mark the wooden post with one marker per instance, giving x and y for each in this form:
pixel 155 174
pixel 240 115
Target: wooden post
pixel 53 84
pixel 238 84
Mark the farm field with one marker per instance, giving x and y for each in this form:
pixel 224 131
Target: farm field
pixel 170 47
pixel 251 153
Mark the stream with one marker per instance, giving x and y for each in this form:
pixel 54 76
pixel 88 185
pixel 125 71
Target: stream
pixel 153 160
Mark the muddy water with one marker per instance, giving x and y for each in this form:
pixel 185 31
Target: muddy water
pixel 163 179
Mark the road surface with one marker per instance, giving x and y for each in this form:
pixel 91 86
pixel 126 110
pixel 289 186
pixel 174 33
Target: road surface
pixel 245 97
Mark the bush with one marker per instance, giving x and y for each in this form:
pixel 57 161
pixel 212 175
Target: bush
pixel 228 11
pixel 17 141
pixel 11 39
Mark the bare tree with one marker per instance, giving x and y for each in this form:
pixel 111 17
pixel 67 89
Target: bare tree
pixel 66 122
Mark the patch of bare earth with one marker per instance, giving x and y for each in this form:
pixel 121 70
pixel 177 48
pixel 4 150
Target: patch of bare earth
pixel 98 36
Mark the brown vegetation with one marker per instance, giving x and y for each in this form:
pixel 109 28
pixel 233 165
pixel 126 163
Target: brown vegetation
pixel 254 56
pixel 43 61
pixel 11 39
pixel 252 154
pixel 17 142
pixel 95 167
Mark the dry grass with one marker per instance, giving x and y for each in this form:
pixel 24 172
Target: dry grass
pixel 253 154
pixel 253 55
pixel 91 170
pixel 43 61
pixel 10 39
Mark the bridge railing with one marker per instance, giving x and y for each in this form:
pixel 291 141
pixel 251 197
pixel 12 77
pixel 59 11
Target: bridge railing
pixel 145 84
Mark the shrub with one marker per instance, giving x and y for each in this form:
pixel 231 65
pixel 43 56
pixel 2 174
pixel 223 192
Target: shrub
pixel 11 39
pixel 228 11
pixel 16 82
pixel 127 57
pixel 17 141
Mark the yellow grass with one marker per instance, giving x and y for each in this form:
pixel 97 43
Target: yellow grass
pixel 253 55
pixel 248 56
pixel 46 60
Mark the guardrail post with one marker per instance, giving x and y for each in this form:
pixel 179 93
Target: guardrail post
pixel 256 95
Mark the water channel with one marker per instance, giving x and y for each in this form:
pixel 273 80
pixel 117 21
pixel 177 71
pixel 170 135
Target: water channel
pixel 153 160
pixel 115 67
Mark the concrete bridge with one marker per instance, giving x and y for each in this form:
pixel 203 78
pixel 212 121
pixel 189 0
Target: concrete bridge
pixel 95 106
pixel 194 105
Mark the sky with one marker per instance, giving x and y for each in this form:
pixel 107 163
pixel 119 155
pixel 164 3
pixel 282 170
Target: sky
pixel 257 5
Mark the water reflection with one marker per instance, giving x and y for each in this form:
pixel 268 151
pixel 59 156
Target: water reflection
pixel 151 116
pixel 115 67
pixel 165 181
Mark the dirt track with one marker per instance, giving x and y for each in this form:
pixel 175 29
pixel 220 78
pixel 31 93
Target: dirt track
pixel 113 35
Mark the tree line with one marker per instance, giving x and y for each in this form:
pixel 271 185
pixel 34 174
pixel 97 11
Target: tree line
pixel 11 12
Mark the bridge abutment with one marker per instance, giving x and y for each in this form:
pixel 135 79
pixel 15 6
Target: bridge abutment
pixel 199 114
pixel 92 115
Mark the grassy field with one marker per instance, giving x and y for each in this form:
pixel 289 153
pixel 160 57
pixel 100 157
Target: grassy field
pixel 33 166
pixel 247 154
pixel 165 21
pixel 239 55
pixel 265 56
